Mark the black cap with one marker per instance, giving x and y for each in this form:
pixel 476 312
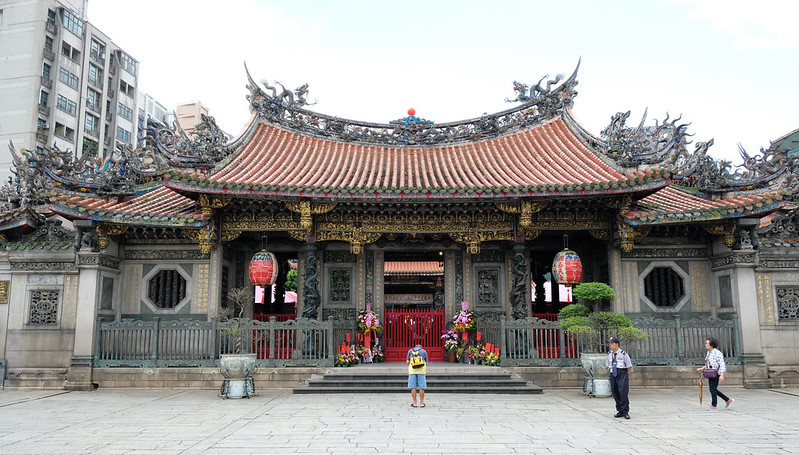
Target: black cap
pixel 613 340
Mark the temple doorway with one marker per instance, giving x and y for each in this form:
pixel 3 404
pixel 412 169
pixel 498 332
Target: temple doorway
pixel 414 303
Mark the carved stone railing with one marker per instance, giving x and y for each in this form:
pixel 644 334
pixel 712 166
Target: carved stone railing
pixel 185 342
pixel 673 341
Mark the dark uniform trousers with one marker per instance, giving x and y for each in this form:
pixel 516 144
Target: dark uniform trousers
pixel 620 387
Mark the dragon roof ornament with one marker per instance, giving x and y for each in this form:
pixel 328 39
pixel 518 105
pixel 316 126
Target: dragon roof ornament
pixel 288 109
pixel 665 145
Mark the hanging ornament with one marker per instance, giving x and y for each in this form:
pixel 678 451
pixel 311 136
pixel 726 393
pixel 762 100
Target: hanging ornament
pixel 263 267
pixel 567 269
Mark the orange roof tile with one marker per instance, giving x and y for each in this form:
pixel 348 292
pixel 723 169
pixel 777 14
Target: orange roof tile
pixel 405 268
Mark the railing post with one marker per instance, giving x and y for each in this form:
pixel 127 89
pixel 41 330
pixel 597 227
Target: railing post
pixel 272 337
pixel 503 338
pixel 736 335
pixel 678 329
pixel 214 339
pixel 561 340
pixel 329 336
pixel 97 335
pixel 154 341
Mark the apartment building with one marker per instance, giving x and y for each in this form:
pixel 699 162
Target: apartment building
pixel 63 82
pixel 151 115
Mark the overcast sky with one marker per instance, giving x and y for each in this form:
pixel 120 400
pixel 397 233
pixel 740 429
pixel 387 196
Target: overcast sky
pixel 729 67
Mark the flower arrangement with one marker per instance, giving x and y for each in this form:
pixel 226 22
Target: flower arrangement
pixel 450 338
pixel 346 359
pixel 463 320
pixel 491 359
pixel 368 321
pixel 377 354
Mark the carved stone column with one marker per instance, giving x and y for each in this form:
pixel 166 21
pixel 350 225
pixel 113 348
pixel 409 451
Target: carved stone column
pixel 79 374
pixel 519 291
pixel 310 283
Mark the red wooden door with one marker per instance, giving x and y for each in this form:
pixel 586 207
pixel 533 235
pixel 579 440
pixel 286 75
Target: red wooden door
pixel 404 329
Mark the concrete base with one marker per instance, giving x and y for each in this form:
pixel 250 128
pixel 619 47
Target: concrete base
pixel 755 371
pixel 35 378
pixel 79 374
pixel 198 377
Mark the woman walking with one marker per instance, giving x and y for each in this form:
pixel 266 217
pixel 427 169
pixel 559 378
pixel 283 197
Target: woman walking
pixel 714 361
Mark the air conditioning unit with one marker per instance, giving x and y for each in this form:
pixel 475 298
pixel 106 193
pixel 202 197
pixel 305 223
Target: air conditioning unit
pixel 46 126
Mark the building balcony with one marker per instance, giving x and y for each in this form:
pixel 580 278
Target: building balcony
pixel 92 132
pixel 108 116
pixel 51 27
pixel 93 106
pixel 49 54
pixel 47 82
pixel 98 83
pixel 112 69
pixel 41 137
pixel 111 93
pixel 107 140
pixel 97 57
pixel 44 110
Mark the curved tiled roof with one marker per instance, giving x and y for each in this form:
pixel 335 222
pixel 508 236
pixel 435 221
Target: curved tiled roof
pixel 674 205
pixel 543 161
pixel 405 268
pixel 158 207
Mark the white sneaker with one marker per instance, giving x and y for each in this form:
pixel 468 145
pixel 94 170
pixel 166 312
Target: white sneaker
pixel 730 402
pixel 713 408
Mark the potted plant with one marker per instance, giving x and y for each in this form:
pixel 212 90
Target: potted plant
pixel 237 368
pixel 450 338
pixel 593 328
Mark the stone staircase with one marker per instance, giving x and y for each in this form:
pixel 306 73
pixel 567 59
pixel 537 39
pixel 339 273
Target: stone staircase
pixel 392 377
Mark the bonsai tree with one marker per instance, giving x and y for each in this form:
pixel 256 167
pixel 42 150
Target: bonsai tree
pixel 595 326
pixel 241 298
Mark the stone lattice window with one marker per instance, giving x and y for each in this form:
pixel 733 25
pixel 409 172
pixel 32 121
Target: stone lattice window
pixel 166 289
pixel 339 285
pixel 44 307
pixel 488 287
pixel 788 302
pixel 664 287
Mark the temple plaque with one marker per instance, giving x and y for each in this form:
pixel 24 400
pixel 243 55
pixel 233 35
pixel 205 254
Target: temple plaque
pixel 4 291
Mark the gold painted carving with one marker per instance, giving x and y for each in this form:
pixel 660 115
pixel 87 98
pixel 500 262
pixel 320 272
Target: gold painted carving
pixel 629 234
pixel 306 209
pixel 356 237
pixel 301 236
pixel 228 236
pixel 473 237
pixel 526 209
pixel 727 229
pixel 206 237
pixel 208 204
pixel 622 204
pixel 600 234
pixel 106 230
pixel 532 234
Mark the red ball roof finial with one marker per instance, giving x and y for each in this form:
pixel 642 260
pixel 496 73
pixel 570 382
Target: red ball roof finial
pixel 411 112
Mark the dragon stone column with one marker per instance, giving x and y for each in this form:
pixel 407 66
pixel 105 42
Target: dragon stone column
pixel 310 286
pixel 519 291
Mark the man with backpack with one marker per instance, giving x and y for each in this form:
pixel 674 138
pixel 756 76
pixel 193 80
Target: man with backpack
pixel 417 379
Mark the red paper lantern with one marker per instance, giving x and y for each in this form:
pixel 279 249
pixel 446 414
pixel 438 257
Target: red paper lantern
pixel 567 268
pixel 411 112
pixel 263 269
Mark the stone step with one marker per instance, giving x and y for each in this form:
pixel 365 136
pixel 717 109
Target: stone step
pixel 376 381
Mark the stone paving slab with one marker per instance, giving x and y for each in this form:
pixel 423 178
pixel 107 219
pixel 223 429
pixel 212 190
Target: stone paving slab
pixel 560 421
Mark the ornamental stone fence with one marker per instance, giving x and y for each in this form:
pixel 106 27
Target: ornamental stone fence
pixel 155 343
pixel 308 342
pixel 673 341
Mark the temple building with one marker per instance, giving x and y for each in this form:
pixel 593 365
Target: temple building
pixel 406 216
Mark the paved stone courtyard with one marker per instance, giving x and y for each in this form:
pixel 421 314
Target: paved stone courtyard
pixel 561 421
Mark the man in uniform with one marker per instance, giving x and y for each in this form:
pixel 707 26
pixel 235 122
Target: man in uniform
pixel 620 365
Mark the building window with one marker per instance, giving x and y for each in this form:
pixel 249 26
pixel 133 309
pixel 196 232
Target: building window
pixel 72 23
pixel 125 111
pixel 68 78
pixel 64 132
pixel 97 50
pixel 95 76
pixel 70 52
pixel 93 100
pixel 44 307
pixel 67 105
pixel 127 63
pixel 48 44
pixel 90 147
pixel 44 97
pixel 42 125
pixel 166 289
pixel 663 287
pixel 126 88
pixel 123 134
pixel 788 303
pixel 46 71
pixel 92 124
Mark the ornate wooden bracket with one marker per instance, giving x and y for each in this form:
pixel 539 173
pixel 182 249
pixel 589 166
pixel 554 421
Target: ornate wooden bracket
pixel 206 237
pixel 727 229
pixel 532 234
pixel 525 209
pixel 228 236
pixel 356 237
pixel 307 209
pixel 600 234
pixel 622 204
pixel 473 237
pixel 629 234
pixel 208 204
pixel 104 231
